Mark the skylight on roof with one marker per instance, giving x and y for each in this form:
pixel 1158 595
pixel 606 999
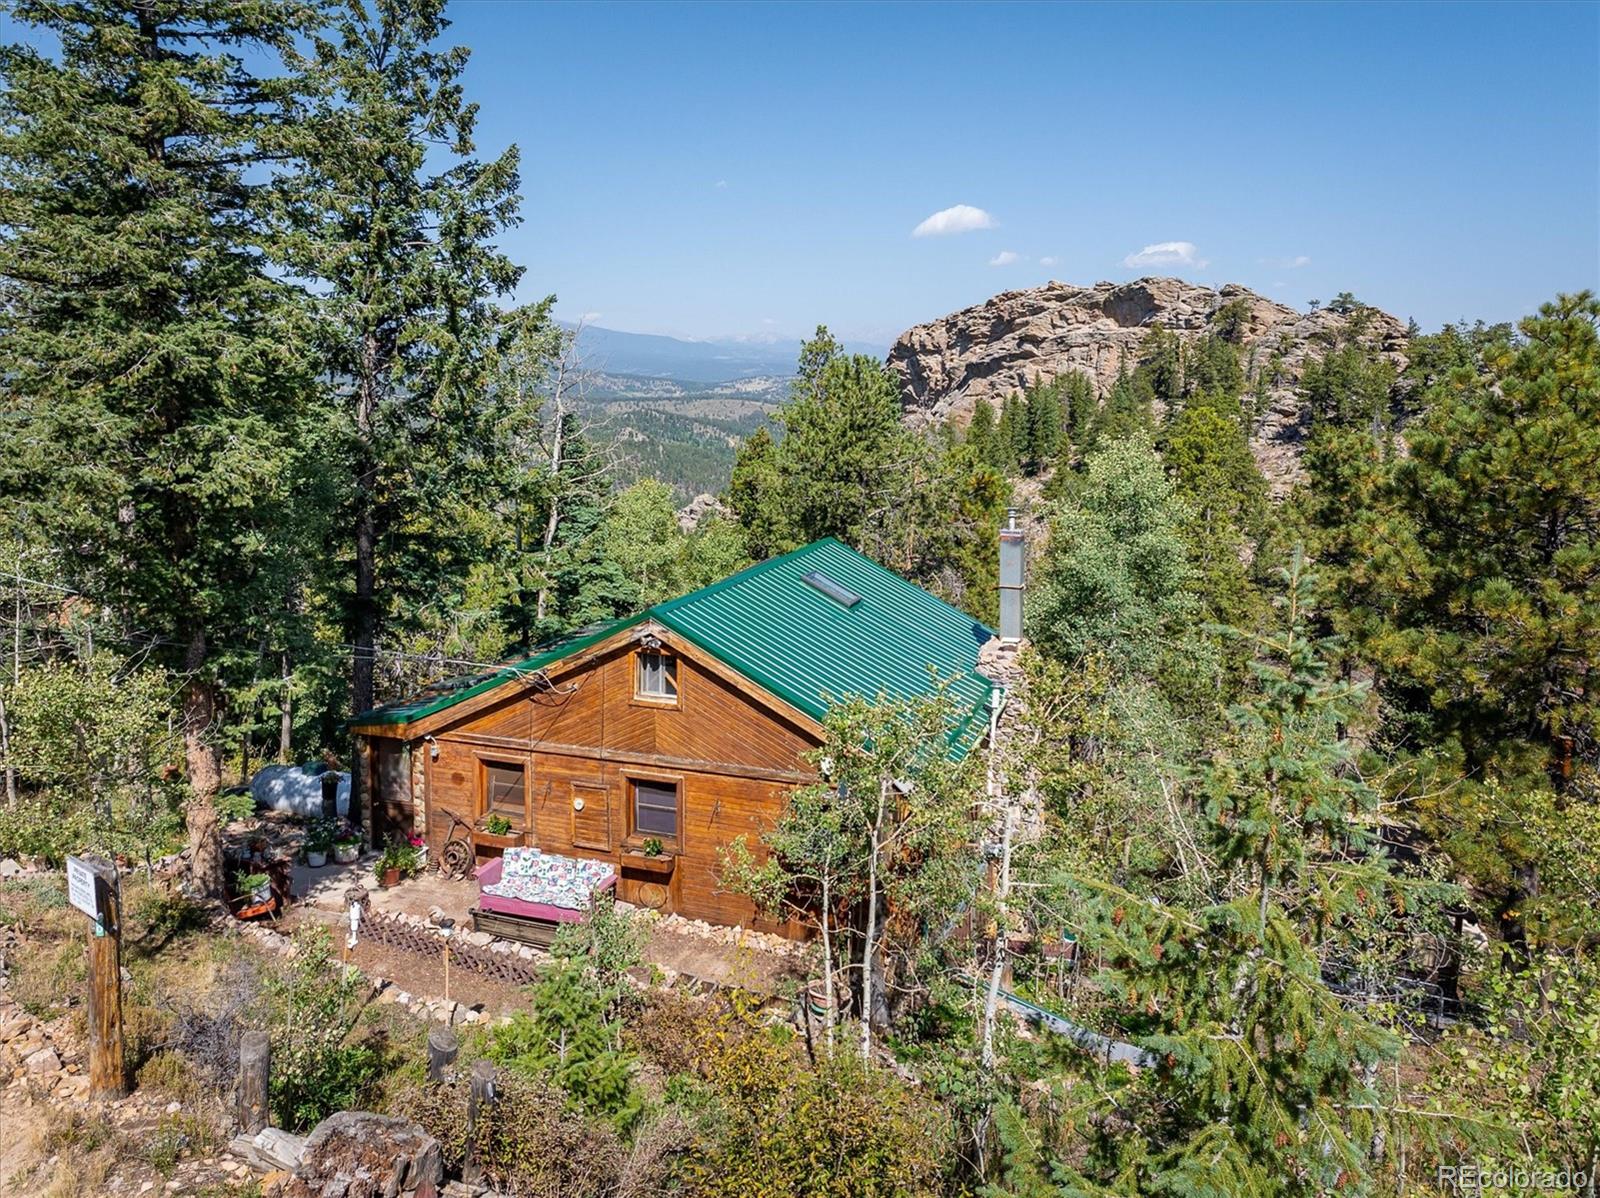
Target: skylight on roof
pixel 843 596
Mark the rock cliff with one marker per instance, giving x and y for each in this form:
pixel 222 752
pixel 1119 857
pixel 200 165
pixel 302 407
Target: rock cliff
pixel 1019 337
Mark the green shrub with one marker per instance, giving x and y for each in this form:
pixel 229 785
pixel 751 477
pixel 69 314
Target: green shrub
pixel 568 1041
pixel 530 1143
pixel 45 826
pixel 836 1131
pixel 234 804
pixel 610 941
pixel 317 1068
pixel 158 914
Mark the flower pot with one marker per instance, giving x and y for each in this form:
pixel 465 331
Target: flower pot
pixel 316 860
pixel 345 854
pixel 391 876
pixel 261 894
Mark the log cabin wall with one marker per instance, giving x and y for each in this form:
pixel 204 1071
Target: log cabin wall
pixel 585 744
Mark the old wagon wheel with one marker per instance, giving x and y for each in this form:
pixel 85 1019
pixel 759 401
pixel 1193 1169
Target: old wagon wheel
pixel 455 862
pixel 652 895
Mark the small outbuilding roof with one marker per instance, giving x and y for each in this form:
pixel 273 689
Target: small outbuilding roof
pixel 811 627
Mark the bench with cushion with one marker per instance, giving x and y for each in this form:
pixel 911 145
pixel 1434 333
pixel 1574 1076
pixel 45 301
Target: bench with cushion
pixel 526 895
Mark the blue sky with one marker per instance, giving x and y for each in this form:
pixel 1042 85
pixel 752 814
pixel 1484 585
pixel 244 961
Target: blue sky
pixel 723 169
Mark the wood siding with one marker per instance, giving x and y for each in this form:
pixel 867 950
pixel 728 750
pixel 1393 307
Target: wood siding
pixel 585 738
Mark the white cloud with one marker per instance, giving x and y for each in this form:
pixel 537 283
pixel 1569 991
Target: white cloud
pixel 1047 261
pixel 1294 263
pixel 589 317
pixel 721 183
pixel 1166 253
pixel 963 218
pixel 1005 258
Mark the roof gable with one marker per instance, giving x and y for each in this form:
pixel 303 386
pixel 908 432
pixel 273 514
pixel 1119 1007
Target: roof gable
pixel 805 642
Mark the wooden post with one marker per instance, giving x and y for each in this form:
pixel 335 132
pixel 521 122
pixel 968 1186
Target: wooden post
pixel 442 1049
pixel 254 1076
pixel 478 1100
pixel 108 1076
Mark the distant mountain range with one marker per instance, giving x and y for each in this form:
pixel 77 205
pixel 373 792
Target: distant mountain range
pixel 698 365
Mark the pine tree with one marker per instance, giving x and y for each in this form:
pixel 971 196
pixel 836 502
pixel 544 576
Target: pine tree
pixel 1265 1080
pixel 1207 450
pixel 1492 640
pixel 1012 434
pixel 756 496
pixel 1079 405
pixel 394 222
pixel 1042 419
pixel 1212 368
pixel 981 433
pixel 154 366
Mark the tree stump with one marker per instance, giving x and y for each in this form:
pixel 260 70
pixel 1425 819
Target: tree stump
pixel 442 1049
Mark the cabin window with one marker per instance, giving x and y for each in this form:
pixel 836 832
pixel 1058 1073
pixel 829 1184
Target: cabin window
pixel 658 675
pixel 504 790
pixel 655 809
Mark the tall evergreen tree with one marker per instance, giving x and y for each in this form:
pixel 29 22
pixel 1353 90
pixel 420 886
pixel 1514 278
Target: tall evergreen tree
pixel 1011 435
pixel 395 221
pixel 1079 405
pixel 1042 403
pixel 1492 640
pixel 982 433
pixel 1265 1081
pixel 154 366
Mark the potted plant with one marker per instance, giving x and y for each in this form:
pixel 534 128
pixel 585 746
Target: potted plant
pixel 419 848
pixel 253 889
pixel 497 825
pixel 652 847
pixel 387 867
pixel 319 840
pixel 346 844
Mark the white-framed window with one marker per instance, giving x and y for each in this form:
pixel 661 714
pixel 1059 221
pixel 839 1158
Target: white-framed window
pixel 657 675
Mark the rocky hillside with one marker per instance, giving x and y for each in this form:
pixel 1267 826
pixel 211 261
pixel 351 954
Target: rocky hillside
pixel 1019 337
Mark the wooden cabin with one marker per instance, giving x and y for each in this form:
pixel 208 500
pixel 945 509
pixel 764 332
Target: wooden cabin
pixel 687 724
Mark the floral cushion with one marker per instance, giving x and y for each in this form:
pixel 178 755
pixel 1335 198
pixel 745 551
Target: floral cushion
pixel 520 863
pixel 555 880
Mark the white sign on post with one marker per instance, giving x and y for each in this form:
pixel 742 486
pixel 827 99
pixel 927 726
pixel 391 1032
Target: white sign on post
pixel 80 887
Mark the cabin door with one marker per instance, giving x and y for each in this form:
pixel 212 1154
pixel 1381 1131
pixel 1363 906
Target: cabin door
pixel 393 811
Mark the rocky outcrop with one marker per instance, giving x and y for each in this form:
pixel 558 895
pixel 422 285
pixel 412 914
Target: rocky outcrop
pixel 701 507
pixel 1020 337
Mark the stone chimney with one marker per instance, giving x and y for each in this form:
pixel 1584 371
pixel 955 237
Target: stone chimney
pixel 1013 564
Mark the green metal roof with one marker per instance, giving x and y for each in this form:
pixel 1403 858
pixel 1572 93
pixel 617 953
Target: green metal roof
pixel 790 637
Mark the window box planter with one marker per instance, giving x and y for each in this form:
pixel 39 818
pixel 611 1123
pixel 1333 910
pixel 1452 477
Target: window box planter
pixel 638 861
pixel 496 840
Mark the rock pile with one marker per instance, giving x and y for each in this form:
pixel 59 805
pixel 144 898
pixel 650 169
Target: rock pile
pixel 31 1055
